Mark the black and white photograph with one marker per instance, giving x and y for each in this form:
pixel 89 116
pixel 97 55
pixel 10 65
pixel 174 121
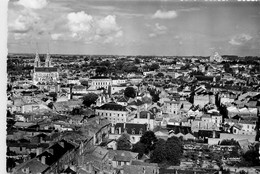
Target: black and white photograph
pixel 131 87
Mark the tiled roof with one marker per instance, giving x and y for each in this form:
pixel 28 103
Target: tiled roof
pixel 179 129
pixel 132 127
pixel 45 69
pixel 112 106
pixel 58 152
pixel 139 169
pixel 121 155
pixel 136 102
pixel 34 166
pixel 122 99
pixel 99 77
pixel 144 114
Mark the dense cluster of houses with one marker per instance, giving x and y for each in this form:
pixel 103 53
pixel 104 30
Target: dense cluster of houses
pixel 49 130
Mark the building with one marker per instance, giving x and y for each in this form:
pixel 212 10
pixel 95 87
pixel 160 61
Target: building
pixel 114 112
pixel 215 58
pixel 46 74
pixel 134 130
pixel 98 82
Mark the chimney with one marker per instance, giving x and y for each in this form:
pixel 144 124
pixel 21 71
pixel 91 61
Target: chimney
pixel 214 134
pixel 65 166
pixel 38 151
pixel 124 125
pixel 51 151
pixel 138 112
pixel 43 159
pixel 112 129
pixel 119 130
pixel 148 116
pixel 62 144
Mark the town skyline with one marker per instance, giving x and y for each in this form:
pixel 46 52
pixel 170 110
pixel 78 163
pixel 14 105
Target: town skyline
pixel 161 28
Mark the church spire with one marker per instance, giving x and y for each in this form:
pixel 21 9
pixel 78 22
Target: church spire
pixel 48 59
pixel 37 61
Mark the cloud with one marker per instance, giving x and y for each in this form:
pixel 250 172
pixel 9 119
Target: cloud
pixel 79 22
pixel 56 36
pixel 152 35
pixel 22 22
pixel 88 28
pixel 32 4
pixel 189 9
pixel 18 36
pixel 157 29
pixel 240 39
pixel 165 14
pixel 107 25
pixel 160 28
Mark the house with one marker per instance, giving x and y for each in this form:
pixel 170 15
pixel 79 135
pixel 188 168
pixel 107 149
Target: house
pixel 246 127
pixel 203 98
pixel 120 158
pixel 95 160
pixel 140 168
pixel 170 107
pixel 134 130
pixel 51 160
pixel 114 112
pixel 144 117
pixel 98 82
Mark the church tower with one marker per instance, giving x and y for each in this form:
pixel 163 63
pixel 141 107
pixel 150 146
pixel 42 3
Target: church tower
pixel 48 60
pixel 37 61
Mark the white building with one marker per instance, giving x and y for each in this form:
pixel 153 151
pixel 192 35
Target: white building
pixel 44 75
pixel 100 82
pixel 114 112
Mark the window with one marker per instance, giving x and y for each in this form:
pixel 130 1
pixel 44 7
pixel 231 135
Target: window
pixel 133 131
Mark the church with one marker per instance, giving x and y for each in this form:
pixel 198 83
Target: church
pixel 46 74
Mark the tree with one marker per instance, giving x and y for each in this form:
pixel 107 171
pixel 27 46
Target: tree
pixel 50 105
pixel 101 70
pixel 154 66
pixel 89 99
pixel 161 75
pixel 229 142
pixel 139 148
pixel 84 83
pixel 251 157
pixel 174 150
pixel 130 92
pixel 123 142
pixel 148 139
pixel 137 61
pixel 53 95
pixel 159 154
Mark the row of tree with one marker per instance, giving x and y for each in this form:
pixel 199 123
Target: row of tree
pixel 159 150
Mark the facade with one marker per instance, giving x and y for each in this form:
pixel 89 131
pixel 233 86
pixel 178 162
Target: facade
pixel 171 107
pixel 135 131
pixel 118 81
pixel 45 75
pixel 100 82
pixel 114 112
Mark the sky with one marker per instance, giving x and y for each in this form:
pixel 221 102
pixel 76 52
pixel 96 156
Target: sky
pixel 163 28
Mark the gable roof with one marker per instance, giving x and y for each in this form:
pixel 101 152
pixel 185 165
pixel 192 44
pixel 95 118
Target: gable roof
pixel 112 106
pixel 58 150
pixel 132 127
pixel 34 166
pixel 122 155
